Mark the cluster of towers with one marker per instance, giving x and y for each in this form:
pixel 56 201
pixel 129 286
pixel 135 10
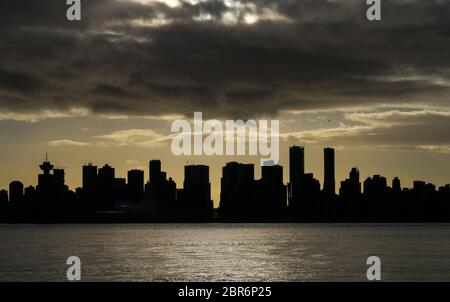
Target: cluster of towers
pixel 101 191
pixel 242 197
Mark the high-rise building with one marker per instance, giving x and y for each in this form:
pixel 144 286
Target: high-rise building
pixel 304 198
pixel 354 175
pixel 155 171
pixel 419 185
pixel 396 186
pixel 106 180
pixel 89 177
pixel 46 183
pixel 120 189
pixel 296 163
pixel 46 166
pixel 106 175
pixel 59 177
pixel 270 190
pixel 29 194
pixel 197 189
pixel 196 174
pixel 351 188
pixel 237 186
pixel 329 180
pixel 158 189
pixel 51 188
pixel 272 174
pixel 301 186
pixel 3 196
pixel 15 191
pixel 135 184
pixel 375 186
pixel 136 179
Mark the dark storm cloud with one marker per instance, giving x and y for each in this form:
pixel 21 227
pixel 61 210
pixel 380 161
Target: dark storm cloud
pixel 420 130
pixel 19 82
pixel 111 91
pixel 226 59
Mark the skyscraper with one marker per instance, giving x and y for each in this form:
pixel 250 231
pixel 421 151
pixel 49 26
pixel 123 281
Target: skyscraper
pixel 106 179
pixel 15 191
pixel 121 192
pixel 3 196
pixel 155 171
pixel 271 191
pixel 354 175
pixel 396 186
pixel 329 181
pixel 158 189
pixel 272 174
pixel 296 163
pixel 197 190
pixel 46 179
pixel 351 188
pixel 136 179
pixel 59 178
pixel 135 184
pixel 89 177
pixel 106 175
pixel 237 189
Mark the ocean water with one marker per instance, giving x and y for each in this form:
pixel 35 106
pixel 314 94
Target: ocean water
pixel 225 252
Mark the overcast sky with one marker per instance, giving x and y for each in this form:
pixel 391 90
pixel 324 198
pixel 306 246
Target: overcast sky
pixel 104 89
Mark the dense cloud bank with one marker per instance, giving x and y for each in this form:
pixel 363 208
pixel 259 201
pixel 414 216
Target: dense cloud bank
pixel 225 58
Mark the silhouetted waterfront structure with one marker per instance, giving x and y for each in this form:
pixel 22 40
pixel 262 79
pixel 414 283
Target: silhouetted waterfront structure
pixel 89 177
pixel 396 186
pixel 270 193
pixel 90 188
pixel 351 187
pixel 329 185
pixel 135 185
pixel 237 190
pixel 155 173
pixel 106 196
pixel 350 196
pixel 29 194
pixel 297 179
pixel 296 163
pixel 304 197
pixel 196 195
pixel 159 190
pixel 3 197
pixel 16 192
pixel 122 191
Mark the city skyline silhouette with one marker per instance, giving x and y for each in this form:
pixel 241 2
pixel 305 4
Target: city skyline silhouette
pixel 242 197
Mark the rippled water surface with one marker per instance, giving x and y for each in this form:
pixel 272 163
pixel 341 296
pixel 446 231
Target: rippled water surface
pixel 224 252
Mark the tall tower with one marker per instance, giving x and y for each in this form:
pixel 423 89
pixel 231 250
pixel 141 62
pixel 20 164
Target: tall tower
pixel 197 188
pixel 296 163
pixel 89 177
pixel 106 175
pixel 15 191
pixel 236 188
pixel 46 179
pixel 396 186
pixel 329 181
pixel 354 175
pixel 46 166
pixel 136 180
pixel 155 171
